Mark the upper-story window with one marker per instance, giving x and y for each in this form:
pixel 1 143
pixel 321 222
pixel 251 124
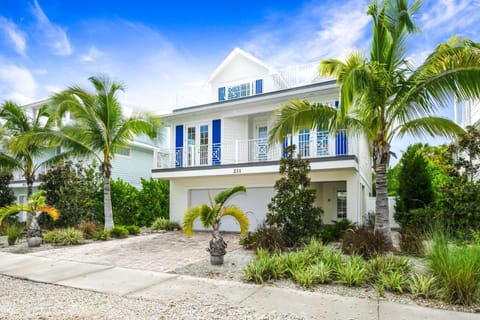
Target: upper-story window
pixel 123 151
pixel 240 90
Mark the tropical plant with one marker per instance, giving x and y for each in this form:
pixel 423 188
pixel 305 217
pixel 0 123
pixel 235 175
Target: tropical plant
pixel 27 157
pixel 69 188
pixel 13 232
pixel 66 237
pixel 292 209
pixel 35 205
pixel 7 196
pixel 165 224
pixel 99 129
pixel 152 201
pixel 119 232
pixel 456 268
pixel 385 96
pixel 211 217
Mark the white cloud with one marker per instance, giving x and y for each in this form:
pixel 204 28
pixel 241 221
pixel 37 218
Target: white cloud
pixel 14 35
pixel 319 30
pixel 56 36
pixel 92 55
pixel 451 17
pixel 17 83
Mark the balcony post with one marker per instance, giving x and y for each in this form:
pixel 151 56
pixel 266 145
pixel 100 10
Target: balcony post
pixel 236 151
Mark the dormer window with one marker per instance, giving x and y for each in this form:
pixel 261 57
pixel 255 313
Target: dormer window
pixel 240 90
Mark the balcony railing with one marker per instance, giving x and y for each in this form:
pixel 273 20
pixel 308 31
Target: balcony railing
pixel 308 145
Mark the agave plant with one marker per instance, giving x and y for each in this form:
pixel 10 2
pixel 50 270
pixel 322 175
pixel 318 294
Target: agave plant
pixel 36 204
pixel 211 216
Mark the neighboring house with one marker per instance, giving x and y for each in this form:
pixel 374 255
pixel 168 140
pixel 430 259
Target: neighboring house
pixel 467 113
pixel 129 164
pixel 224 143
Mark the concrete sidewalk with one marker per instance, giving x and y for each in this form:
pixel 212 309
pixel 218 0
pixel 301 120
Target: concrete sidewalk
pixel 165 287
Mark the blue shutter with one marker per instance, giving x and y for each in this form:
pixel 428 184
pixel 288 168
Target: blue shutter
pixel 216 142
pixel 258 86
pixel 341 141
pixel 179 146
pixel 221 94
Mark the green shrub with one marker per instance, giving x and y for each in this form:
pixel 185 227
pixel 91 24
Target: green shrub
pixel 88 228
pixel 395 281
pixel 73 190
pixel 263 268
pixel 364 242
pixel 411 242
pixel 422 286
pixel 165 224
pixel 119 232
pixel 387 264
pixel 124 202
pixel 417 220
pixel 152 201
pixel 7 196
pixel 66 237
pixel 304 277
pixel 335 231
pixel 102 235
pixel 353 272
pixel 133 230
pixel 265 237
pixel 13 232
pixel 292 208
pixel 457 269
pixel 323 272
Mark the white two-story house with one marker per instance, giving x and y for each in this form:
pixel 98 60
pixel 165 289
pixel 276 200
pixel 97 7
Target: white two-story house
pixel 223 143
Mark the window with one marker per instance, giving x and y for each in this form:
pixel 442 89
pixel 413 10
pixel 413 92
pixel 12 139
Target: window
pixel 341 204
pixel 304 143
pixel 239 91
pixel 322 143
pixel 123 151
pixel 262 146
pixel 204 144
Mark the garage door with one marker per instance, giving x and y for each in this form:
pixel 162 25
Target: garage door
pixel 254 203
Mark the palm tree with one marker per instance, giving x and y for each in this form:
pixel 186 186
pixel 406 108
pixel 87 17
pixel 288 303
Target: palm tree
pixel 211 216
pixel 36 204
pixel 385 97
pixel 26 157
pixel 99 128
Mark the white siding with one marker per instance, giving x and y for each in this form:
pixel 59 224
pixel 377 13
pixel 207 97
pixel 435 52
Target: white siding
pixel 233 129
pixel 132 168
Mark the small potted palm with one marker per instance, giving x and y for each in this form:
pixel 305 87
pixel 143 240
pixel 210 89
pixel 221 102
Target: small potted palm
pixel 211 216
pixel 35 205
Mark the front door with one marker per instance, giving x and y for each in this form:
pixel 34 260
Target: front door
pixel 262 145
pixel 197 145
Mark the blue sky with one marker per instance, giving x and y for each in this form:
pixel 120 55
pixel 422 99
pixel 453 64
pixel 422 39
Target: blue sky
pixel 161 48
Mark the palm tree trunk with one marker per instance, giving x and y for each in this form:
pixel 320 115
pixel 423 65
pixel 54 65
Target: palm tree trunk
pixel 382 218
pixel 29 179
pixel 107 203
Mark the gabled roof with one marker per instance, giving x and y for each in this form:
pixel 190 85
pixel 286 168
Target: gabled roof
pixel 237 52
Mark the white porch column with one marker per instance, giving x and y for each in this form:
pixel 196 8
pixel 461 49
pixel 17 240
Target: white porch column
pixel 353 199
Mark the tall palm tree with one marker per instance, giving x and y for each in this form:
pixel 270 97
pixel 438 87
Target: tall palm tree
pixel 99 128
pixel 385 97
pixel 29 157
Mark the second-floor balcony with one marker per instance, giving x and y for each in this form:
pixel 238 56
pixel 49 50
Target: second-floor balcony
pixel 315 144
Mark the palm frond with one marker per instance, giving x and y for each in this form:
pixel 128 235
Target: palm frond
pixel 11 209
pixel 223 196
pixel 51 211
pixel 207 215
pixel 298 115
pixel 188 219
pixel 429 126
pixel 239 215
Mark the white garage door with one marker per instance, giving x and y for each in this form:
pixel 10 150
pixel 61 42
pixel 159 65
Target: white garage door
pixel 254 203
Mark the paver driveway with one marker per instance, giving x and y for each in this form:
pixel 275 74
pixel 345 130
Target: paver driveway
pixel 157 252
